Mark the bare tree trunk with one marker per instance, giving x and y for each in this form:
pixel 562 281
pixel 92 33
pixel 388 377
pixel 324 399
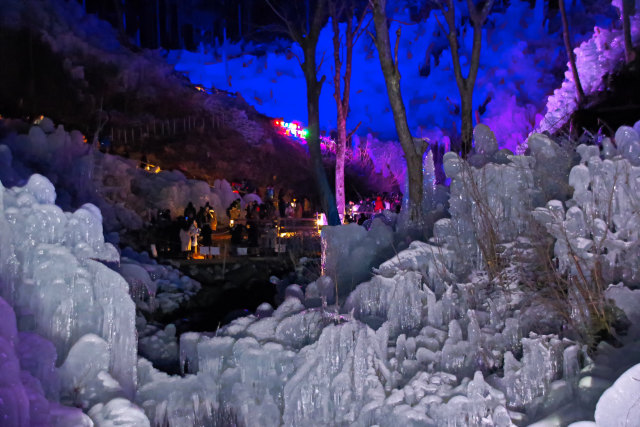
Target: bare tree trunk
pixel 309 67
pixel 413 152
pixel 628 10
pixel 466 84
pixel 308 40
pixel 341 121
pixel 572 58
pixel 466 126
pixel 342 102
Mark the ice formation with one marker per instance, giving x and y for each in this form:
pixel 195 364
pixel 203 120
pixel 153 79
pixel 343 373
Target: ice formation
pixel 416 345
pixel 600 223
pixel 437 334
pixel 619 404
pixel 52 276
pixel 429 336
pixel 595 58
pixel 29 387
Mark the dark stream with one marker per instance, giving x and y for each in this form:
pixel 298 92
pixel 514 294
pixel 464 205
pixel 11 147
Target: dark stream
pixel 244 287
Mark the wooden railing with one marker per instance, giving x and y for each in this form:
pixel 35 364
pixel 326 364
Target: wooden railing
pixel 136 135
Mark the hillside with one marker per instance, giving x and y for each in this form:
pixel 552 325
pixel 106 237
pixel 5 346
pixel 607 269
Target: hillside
pixel 73 68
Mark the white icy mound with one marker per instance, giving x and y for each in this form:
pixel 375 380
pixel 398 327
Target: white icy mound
pixel 602 54
pixel 423 343
pixel 312 367
pixel 619 405
pixel 51 272
pixel 350 250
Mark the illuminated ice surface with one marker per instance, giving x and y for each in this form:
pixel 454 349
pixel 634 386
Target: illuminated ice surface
pixel 427 339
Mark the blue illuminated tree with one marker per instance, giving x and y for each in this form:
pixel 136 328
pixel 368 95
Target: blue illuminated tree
pixel 305 32
pixel 413 148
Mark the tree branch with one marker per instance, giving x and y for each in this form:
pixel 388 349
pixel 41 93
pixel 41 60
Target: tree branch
pixel 295 35
pixel 444 30
pixel 321 61
pixel 395 51
pixel 452 35
pixel 297 57
pixel 354 130
pixel 359 27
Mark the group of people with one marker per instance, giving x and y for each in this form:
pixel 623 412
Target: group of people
pixel 366 208
pixel 194 228
pixel 189 230
pixel 255 225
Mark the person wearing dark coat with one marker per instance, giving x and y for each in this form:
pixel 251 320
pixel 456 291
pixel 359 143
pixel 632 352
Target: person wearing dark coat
pixel 206 234
pixel 201 216
pixel 190 212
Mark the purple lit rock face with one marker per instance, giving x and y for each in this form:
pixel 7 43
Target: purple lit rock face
pixel 29 386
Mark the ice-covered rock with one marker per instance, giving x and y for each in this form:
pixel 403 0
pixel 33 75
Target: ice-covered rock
pixel 160 346
pixel 628 142
pixel 118 412
pixel 84 374
pixel 350 252
pixel 398 300
pixel 485 140
pixel 618 406
pixel 264 310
